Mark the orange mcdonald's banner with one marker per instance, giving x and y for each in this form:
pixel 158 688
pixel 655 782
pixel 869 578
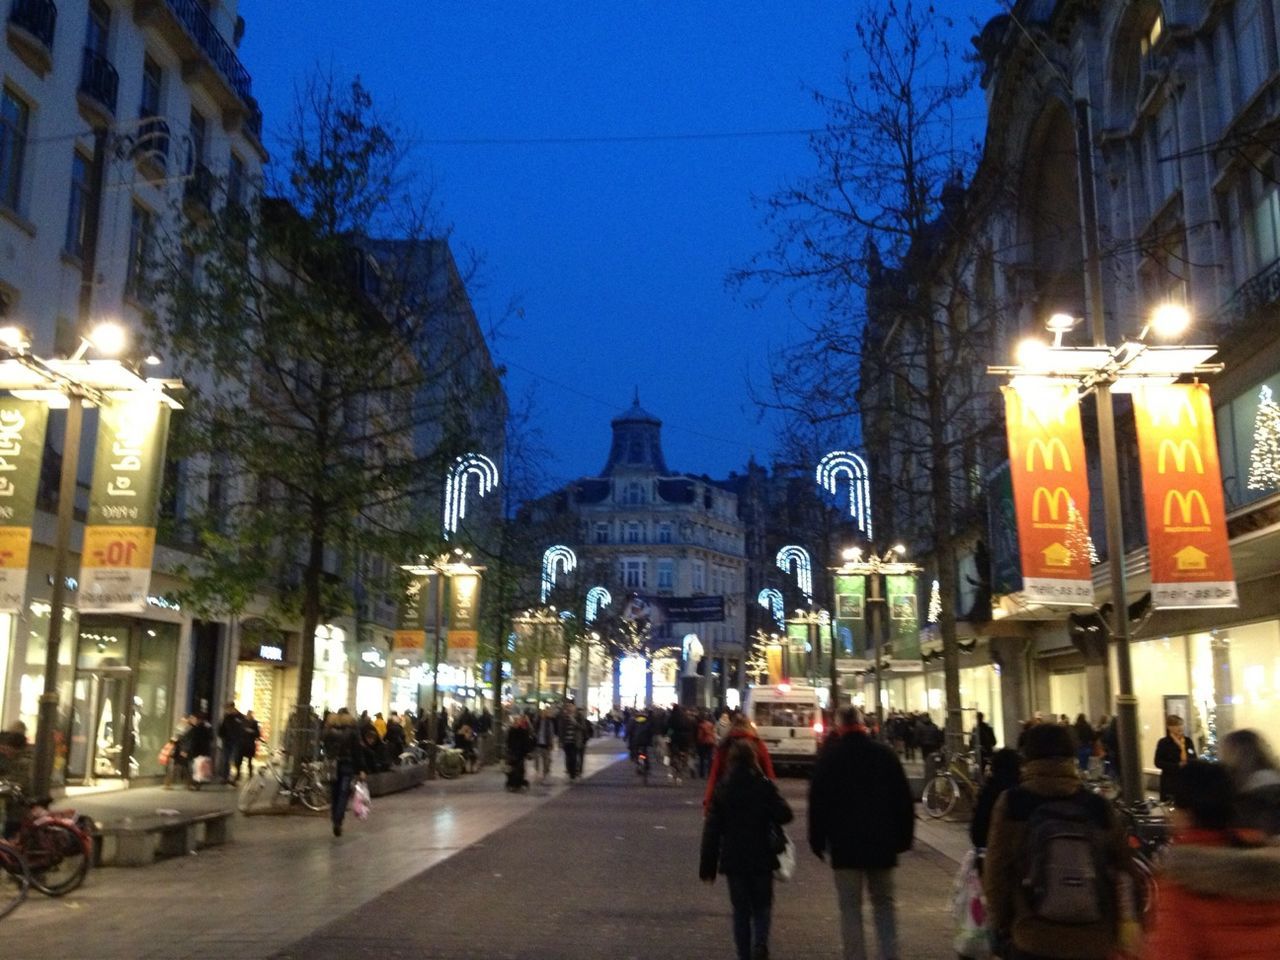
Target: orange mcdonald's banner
pixel 1050 493
pixel 1182 491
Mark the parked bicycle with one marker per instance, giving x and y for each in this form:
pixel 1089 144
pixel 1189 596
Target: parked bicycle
pixel 956 781
pixel 15 878
pixel 56 844
pixel 310 786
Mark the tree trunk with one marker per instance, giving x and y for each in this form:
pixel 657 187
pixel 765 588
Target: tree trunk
pixel 305 744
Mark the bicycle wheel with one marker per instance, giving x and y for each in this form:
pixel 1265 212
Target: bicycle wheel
pixel 448 764
pixel 940 796
pixel 15 880
pixel 313 792
pixel 57 856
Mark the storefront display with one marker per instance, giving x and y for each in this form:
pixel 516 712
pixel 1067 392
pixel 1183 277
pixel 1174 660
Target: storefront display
pixel 330 683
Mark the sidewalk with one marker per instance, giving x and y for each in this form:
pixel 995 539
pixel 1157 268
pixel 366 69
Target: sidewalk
pixel 279 879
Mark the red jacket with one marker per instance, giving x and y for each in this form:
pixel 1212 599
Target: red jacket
pixel 717 761
pixel 1217 901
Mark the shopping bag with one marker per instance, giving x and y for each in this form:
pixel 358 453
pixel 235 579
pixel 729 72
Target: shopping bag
pixel 202 770
pixel 969 908
pixel 360 802
pixel 786 859
pixel 166 752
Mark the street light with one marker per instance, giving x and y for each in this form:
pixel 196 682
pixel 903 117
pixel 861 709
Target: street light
pixel 874 568
pixel 1104 370
pixel 71 384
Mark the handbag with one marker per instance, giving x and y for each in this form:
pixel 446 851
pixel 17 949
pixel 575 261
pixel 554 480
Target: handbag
pixel 202 770
pixel 360 802
pixel 786 867
pixel 969 908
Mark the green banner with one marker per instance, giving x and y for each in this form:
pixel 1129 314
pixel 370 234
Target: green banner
pixel 124 498
pixel 410 636
pixel 903 602
pixel 851 615
pixel 22 429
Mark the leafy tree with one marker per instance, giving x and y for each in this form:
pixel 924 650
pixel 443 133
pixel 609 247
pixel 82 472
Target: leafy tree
pixel 329 385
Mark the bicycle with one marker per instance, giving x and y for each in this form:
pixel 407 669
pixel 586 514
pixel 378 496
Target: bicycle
pixel 56 849
pixel 310 786
pixel 1147 833
pixel 944 791
pixel 15 878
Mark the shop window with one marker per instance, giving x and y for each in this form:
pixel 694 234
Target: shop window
pixel 1247 428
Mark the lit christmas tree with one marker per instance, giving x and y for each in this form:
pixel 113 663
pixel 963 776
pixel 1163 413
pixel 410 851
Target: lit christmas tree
pixel 1264 458
pixel 1078 540
pixel 935 602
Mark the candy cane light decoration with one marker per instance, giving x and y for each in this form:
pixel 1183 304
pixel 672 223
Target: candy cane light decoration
pixel 455 486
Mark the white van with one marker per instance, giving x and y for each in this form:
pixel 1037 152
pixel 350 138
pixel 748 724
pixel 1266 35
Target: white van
pixel 788 718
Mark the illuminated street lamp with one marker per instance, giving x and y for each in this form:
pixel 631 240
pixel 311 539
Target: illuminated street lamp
pixel 450 564
pixel 1103 370
pixel 874 568
pixel 68 384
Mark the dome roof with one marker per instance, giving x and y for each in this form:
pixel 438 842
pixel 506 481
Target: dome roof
pixel 636 413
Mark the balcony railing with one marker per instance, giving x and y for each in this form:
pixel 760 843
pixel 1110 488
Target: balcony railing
pixel 1259 291
pixel 37 17
pixel 221 54
pixel 199 188
pixel 99 80
pixel 151 143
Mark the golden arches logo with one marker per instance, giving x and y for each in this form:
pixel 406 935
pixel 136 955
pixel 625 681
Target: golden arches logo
pixel 1181 451
pixel 1056 502
pixel 1048 449
pixel 1185 501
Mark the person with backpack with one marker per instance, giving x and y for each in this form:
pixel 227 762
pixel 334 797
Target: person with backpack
pixel 1056 865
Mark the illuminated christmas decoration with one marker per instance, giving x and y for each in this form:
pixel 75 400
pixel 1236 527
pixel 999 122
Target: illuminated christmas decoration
pixel 558 556
pixel 1078 539
pixel 935 602
pixel 842 463
pixel 597 597
pixel 1264 457
pixel 771 599
pixel 797 557
pixel 455 487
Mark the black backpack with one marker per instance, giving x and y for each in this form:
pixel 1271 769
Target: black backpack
pixel 1064 865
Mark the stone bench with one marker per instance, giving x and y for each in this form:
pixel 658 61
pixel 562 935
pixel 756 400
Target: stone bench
pixel 141 841
pixel 403 777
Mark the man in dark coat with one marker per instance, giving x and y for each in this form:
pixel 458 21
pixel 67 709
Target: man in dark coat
pixel 862 814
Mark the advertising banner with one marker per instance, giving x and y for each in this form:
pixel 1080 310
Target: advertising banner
pixel 901 598
pixel 660 610
pixel 464 618
pixel 124 499
pixel 22 428
pixel 851 615
pixel 1051 493
pixel 1182 492
pixel 410 641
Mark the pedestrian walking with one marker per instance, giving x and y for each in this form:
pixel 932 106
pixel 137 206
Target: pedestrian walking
pixel 1256 777
pixel 230 733
pixel 197 747
pixel 1055 856
pixel 250 735
pixel 177 771
pixel 706 744
pixel 982 741
pixel 1173 752
pixel 545 735
pixel 862 816
pixel 740 839
pixel 1006 769
pixel 1219 890
pixel 740 730
pixel 344 749
pixel 519 744
pixel 573 739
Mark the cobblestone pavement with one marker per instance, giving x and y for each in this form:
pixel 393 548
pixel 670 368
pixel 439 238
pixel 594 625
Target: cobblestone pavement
pixel 606 868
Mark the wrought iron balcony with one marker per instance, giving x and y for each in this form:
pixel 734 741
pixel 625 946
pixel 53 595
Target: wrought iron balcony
pixel 201 29
pixel 38 17
pixel 151 144
pixel 1245 305
pixel 99 80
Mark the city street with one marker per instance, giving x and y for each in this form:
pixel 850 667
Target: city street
pixel 462 869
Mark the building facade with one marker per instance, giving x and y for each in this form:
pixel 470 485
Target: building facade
pixel 1182 111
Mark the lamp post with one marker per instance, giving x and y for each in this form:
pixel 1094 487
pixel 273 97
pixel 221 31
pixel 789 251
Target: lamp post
pixel 71 383
pixel 1102 370
pixel 874 568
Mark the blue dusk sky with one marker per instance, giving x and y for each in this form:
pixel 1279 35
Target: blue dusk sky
pixel 615 252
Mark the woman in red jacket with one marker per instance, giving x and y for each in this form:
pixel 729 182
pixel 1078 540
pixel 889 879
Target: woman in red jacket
pixel 1219 888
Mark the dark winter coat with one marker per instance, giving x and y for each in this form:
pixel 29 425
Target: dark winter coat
pixel 737 835
pixel 1169 760
pixel 1217 901
pixel 861 810
pixel 519 743
pixel 342 745
pixel 197 741
pixel 1010 912
pixel 1258 803
pixel 719 760
pixel 250 734
pixel 980 825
